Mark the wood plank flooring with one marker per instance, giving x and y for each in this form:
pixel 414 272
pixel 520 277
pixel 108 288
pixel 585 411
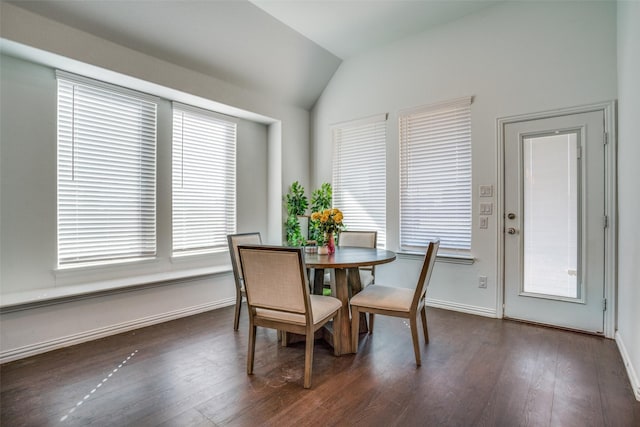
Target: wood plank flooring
pixel 192 372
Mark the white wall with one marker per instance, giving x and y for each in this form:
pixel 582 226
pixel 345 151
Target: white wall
pixel 514 58
pixel 28 195
pixel 628 336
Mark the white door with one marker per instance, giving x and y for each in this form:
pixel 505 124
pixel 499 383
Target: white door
pixel 554 237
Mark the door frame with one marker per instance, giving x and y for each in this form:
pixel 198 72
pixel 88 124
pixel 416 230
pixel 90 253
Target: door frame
pixel 610 262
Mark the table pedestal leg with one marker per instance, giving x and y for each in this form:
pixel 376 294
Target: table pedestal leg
pixel 355 286
pixel 318 280
pixel 342 293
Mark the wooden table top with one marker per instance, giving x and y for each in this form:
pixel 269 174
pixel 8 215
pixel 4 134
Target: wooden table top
pixel 349 257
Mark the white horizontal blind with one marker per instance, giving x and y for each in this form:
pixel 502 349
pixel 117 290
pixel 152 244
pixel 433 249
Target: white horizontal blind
pixel 204 181
pixel 106 173
pixel 435 176
pixel 359 174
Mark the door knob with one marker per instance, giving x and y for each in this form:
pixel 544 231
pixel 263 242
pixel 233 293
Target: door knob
pixel 511 215
pixel 511 230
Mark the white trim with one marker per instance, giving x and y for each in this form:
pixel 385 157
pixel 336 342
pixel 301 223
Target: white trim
pixel 45 346
pixel 633 376
pixel 359 122
pixel 86 81
pixel 204 112
pixel 463 308
pixel 610 286
pixel 30 299
pixel 448 258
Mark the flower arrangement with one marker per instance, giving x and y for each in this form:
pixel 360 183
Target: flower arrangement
pixel 329 221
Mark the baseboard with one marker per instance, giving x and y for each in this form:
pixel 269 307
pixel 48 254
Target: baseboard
pixel 464 308
pixel 45 346
pixel 633 376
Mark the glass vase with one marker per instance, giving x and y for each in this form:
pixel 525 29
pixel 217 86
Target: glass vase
pixel 331 244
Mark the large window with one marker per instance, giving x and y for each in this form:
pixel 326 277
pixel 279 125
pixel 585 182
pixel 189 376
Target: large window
pixel 435 176
pixel 106 173
pixel 359 174
pixel 204 180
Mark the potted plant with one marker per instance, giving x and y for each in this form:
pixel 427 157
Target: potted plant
pixel 296 203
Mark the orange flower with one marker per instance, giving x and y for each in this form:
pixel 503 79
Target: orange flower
pixel 330 220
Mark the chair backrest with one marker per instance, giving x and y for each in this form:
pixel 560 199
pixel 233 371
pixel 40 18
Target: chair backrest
pixel 275 278
pixel 236 240
pixel 360 239
pixel 425 273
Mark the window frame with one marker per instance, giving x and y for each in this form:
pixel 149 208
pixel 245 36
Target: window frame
pixel 459 108
pixel 230 197
pixel 360 131
pixel 98 100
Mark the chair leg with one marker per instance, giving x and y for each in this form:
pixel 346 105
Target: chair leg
pixel 371 322
pixel 423 314
pixel 236 320
pixel 414 336
pixel 252 349
pixel 308 359
pixel 355 328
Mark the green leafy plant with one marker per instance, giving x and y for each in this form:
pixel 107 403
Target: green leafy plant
pixel 296 203
pixel 321 199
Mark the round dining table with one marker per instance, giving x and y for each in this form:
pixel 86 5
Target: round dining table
pixel 345 279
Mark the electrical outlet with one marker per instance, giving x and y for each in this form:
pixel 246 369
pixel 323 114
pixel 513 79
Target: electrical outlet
pixel 484 222
pixel 482 282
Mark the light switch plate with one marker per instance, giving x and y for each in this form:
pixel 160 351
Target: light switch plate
pixel 486 208
pixel 484 222
pixel 486 191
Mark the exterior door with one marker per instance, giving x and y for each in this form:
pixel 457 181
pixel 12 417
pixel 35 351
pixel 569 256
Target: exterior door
pixel 554 234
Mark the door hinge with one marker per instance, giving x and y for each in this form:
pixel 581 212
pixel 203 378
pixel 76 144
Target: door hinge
pixel 606 138
pixel 604 304
pixel 605 221
pixel 579 152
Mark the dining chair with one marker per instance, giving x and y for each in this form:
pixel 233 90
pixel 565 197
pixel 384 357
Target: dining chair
pixel 278 298
pixel 358 239
pixel 234 240
pixel 361 239
pixel 396 302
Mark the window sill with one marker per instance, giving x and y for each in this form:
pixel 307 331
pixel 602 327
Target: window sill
pixel 75 269
pixel 448 258
pixel 42 297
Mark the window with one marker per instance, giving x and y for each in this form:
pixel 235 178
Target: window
pixel 359 174
pixel 204 180
pixel 106 173
pixel 435 176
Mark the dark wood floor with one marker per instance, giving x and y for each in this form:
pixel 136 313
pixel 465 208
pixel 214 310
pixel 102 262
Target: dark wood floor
pixel 191 372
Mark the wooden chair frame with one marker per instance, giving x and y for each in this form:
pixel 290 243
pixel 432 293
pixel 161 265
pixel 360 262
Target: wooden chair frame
pixel 237 270
pixel 308 329
pixel 417 306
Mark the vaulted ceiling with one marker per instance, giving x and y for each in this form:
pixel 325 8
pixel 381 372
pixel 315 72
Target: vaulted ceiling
pixel 287 49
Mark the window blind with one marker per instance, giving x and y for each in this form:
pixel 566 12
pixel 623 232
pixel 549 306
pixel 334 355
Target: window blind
pixel 106 173
pixel 359 174
pixel 204 181
pixel 435 176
